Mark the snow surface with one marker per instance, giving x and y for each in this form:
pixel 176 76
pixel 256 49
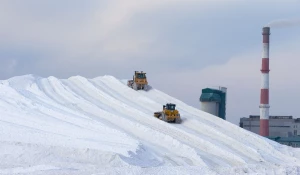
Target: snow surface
pixel 100 126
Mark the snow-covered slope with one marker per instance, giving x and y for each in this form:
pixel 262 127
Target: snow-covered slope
pixel 100 126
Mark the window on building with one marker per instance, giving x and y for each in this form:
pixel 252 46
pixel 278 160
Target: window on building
pixel 295 132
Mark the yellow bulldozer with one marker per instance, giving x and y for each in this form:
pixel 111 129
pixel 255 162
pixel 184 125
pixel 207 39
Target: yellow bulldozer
pixel 139 81
pixel 168 114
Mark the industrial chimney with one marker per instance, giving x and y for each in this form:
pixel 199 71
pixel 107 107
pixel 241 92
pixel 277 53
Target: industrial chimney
pixel 264 92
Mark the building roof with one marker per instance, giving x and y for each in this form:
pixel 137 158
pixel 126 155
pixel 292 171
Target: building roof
pixel 273 116
pixel 210 97
pixel 210 90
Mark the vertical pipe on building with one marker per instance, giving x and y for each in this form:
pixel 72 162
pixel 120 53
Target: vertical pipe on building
pixel 264 93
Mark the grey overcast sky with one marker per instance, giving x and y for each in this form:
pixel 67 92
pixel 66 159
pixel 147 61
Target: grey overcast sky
pixel 183 45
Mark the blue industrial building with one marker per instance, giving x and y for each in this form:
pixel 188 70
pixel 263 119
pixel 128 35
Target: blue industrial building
pixel 213 101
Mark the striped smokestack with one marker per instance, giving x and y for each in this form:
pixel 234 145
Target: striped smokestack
pixel 264 92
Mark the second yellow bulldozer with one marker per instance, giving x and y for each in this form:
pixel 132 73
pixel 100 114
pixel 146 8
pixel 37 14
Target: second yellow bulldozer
pixel 139 81
pixel 168 114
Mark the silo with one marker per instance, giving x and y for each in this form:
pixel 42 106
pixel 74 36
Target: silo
pixel 213 101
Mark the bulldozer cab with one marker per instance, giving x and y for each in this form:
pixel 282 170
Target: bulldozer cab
pixel 170 106
pixel 140 75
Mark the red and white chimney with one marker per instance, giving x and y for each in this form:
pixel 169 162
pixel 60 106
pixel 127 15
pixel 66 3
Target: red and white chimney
pixel 264 92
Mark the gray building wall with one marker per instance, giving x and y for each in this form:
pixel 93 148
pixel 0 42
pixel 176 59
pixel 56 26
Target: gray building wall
pixel 279 126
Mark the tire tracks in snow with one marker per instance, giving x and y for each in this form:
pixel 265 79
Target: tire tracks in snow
pixel 185 138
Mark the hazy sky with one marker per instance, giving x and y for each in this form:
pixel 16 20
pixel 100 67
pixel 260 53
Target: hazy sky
pixel 183 45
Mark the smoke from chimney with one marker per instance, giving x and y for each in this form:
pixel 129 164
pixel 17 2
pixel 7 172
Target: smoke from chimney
pixel 280 23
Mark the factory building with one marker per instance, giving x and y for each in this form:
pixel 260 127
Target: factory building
pixel 213 101
pixel 282 129
pixel 279 126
